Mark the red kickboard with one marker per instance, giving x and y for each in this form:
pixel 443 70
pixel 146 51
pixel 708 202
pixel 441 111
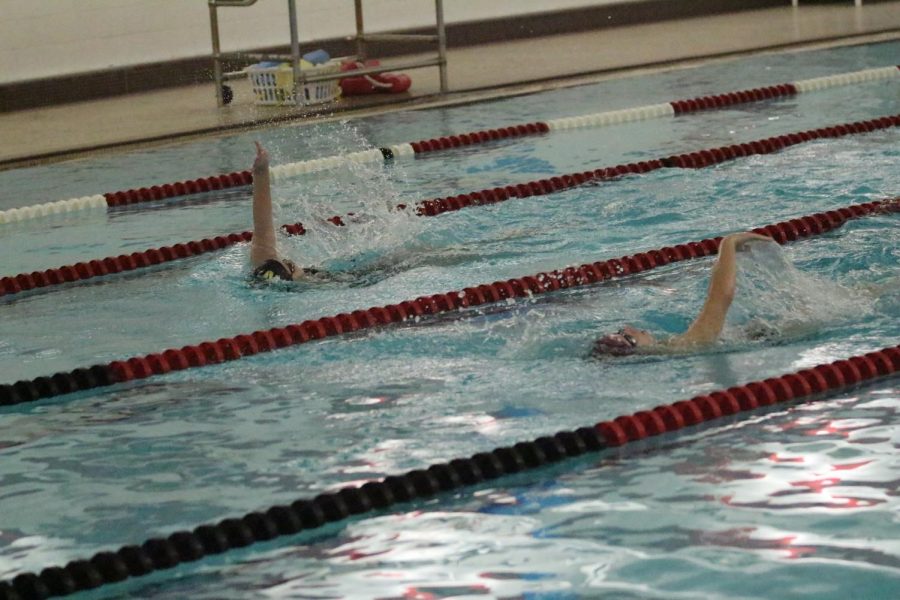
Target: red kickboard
pixel 377 83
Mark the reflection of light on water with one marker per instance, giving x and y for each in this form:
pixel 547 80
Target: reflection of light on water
pixel 830 428
pixel 365 400
pixel 478 422
pixel 388 446
pixel 760 539
pixel 775 457
pixel 817 485
pixel 424 554
pixel 851 466
pixel 842 427
pixel 821 354
pixel 809 482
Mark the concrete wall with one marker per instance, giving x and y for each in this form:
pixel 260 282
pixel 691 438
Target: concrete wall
pixel 49 38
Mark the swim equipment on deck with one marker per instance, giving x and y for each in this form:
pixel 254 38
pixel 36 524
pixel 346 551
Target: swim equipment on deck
pixel 95 268
pixel 160 553
pixel 233 348
pixel 244 178
pixel 384 83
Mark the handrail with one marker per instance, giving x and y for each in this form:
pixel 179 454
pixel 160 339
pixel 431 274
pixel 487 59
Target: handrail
pixel 361 38
pixel 232 2
pixel 218 75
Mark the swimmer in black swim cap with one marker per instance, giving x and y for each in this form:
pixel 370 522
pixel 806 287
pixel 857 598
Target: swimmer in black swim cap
pixel 708 325
pixel 264 257
pixel 275 269
pixel 282 269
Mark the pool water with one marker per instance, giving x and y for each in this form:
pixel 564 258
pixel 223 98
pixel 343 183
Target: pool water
pixel 795 502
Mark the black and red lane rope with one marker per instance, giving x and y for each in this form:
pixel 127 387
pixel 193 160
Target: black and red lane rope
pixel 703 158
pixel 185 546
pixel 233 348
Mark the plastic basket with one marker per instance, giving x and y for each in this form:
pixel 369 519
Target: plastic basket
pixel 273 84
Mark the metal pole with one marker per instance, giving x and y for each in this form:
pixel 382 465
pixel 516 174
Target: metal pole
pixel 216 50
pixel 442 43
pixel 295 51
pixel 360 31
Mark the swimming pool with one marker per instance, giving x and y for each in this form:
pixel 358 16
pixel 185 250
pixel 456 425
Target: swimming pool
pixel 789 503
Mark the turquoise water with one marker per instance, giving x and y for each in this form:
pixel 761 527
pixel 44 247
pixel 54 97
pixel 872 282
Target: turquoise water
pixel 799 502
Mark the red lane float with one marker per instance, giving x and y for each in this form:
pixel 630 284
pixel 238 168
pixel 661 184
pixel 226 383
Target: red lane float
pixel 732 98
pixel 785 388
pixel 127 262
pixel 226 349
pixel 691 160
pixel 479 137
pixel 434 207
pixel 179 188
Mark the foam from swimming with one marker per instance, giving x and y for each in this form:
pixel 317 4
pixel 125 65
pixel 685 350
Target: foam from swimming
pixel 367 193
pixel 775 299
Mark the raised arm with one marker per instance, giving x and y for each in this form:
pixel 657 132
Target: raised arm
pixel 263 246
pixel 709 323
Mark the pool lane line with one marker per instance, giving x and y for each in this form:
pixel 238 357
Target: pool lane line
pixel 613 117
pixel 305 514
pixel 122 263
pixel 14 284
pixel 691 160
pixel 233 348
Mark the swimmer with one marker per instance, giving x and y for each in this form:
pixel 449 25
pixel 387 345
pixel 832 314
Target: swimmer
pixel 708 325
pixel 264 257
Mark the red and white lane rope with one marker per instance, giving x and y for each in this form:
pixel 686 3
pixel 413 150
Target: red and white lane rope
pixel 640 113
pixel 233 348
pixel 703 158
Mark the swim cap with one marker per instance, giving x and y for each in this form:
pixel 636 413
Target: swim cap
pixel 614 344
pixel 272 269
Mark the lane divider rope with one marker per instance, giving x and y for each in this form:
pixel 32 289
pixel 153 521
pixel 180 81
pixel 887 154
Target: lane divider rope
pixel 703 158
pixel 690 160
pixel 639 113
pixel 123 263
pixel 185 546
pixel 233 348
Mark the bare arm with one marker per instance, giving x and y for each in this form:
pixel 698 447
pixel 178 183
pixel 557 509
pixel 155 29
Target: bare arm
pixel 263 246
pixel 709 323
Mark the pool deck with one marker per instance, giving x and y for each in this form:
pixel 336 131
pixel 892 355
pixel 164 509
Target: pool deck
pixel 475 73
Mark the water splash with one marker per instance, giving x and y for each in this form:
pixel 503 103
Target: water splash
pixel 775 299
pixel 364 195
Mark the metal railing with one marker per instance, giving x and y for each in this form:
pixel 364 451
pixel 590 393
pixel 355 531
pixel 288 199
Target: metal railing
pixel 223 95
pixel 796 3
